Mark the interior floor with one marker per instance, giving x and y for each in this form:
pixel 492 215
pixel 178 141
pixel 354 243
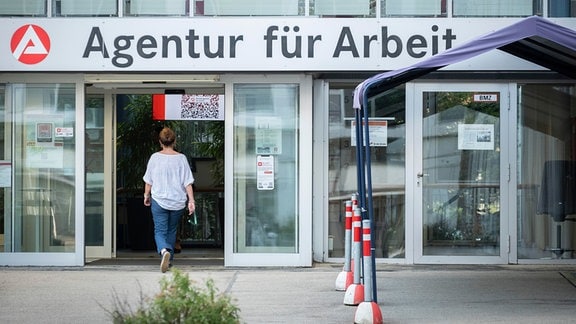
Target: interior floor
pixel 189 256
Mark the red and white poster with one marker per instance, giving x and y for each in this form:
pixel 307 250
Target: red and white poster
pixel 378 129
pixel 265 172
pixel 187 107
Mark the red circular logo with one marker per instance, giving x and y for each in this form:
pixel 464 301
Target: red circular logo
pixel 30 44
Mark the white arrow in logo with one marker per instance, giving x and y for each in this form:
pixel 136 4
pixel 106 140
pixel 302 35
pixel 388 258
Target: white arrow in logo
pixel 29 44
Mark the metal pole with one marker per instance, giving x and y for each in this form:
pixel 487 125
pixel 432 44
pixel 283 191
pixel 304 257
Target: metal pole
pixel 369 195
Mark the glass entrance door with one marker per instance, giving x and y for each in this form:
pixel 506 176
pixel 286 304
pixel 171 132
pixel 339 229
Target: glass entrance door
pixel 269 223
pixel 98 162
pixel 462 172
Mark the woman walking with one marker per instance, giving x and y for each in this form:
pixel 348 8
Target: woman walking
pixel 168 189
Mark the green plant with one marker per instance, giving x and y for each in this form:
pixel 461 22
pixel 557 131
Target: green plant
pixel 179 302
pixel 137 139
pixel 214 147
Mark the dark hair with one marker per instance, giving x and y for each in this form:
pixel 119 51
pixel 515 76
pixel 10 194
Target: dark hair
pixel 167 136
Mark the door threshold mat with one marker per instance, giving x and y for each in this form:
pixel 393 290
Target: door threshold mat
pixel 156 260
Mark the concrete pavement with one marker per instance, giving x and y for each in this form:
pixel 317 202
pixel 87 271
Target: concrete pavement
pixel 406 294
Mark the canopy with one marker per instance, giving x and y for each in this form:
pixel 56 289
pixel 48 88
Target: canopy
pixel 534 39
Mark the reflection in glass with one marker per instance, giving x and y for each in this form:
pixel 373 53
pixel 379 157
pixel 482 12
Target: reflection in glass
pixel 5 170
pixel 413 8
pixel 493 8
pixel 348 8
pixel 156 8
pixel 461 174
pixel 266 168
pixel 44 167
pixel 94 165
pixel 23 8
pixel 546 128
pixel 85 8
pixel 248 8
pixel 388 169
pixel 561 8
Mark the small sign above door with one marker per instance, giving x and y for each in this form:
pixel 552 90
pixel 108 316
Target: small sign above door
pixel 486 97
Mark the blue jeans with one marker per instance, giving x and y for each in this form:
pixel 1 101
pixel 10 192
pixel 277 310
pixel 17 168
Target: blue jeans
pixel 165 227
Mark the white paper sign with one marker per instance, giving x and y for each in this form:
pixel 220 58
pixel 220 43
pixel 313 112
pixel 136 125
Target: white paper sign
pixel 5 174
pixel 265 172
pixel 64 131
pixel 378 132
pixel 268 135
pixel 475 137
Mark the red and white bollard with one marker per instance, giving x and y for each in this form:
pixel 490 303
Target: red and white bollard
pixel 346 277
pixel 368 311
pixel 354 201
pixel 355 292
pixel 354 206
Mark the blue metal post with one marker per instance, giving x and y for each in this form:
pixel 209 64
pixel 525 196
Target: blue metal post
pixel 369 196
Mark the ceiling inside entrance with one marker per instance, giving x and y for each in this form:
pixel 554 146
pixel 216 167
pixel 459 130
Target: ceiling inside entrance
pixel 146 82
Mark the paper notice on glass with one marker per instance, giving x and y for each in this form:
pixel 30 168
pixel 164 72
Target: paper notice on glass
pixel 265 172
pixel 476 137
pixel 5 174
pixel 268 135
pixel 378 132
pixel 43 148
pixel 44 133
pixel 64 131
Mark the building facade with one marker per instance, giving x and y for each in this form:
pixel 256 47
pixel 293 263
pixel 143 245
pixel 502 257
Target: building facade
pixel 471 164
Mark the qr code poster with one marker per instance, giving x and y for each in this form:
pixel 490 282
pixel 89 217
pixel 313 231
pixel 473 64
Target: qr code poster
pixel 187 107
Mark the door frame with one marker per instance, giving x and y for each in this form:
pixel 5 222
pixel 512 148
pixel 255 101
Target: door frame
pixel 303 256
pixel 107 250
pixel 507 172
pixel 108 86
pixel 76 257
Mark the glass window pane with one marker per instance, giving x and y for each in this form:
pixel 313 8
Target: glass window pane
pixel 388 164
pixel 250 7
pixel 562 8
pixel 23 8
pixel 85 8
pixel 266 168
pixel 546 171
pixel 492 8
pixel 414 8
pixel 44 167
pixel 5 168
pixel 155 7
pixel 341 7
pixel 94 163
